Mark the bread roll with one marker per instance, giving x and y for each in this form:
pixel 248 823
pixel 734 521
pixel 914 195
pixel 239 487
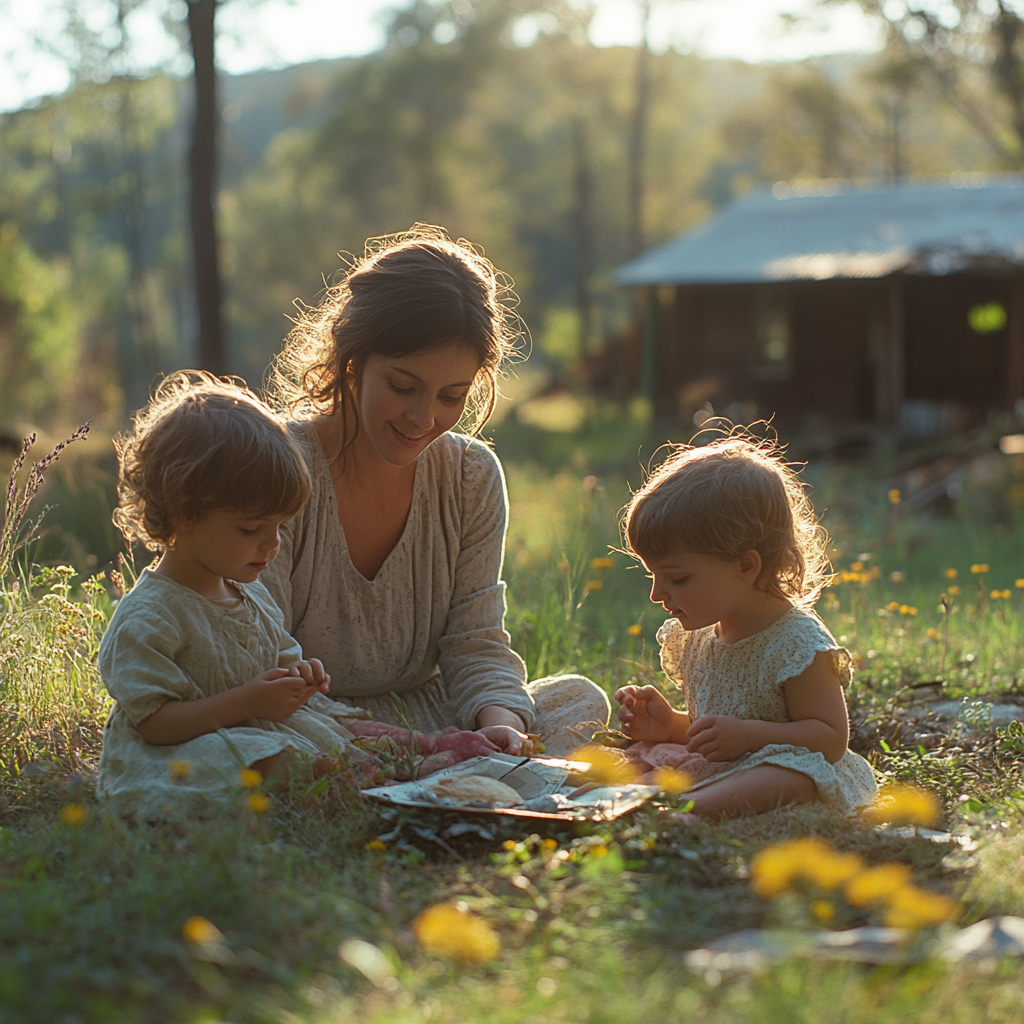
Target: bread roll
pixel 468 791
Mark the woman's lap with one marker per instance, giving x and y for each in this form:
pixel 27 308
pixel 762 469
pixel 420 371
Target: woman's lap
pixel 568 710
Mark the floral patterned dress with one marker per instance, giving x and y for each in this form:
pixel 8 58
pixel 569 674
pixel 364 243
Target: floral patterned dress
pixel 745 678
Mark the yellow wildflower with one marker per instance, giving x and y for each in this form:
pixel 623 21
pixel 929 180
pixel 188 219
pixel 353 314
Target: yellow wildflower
pixel 179 769
pixel 671 780
pixel 822 910
pixel 901 804
pixel 634 630
pixel 258 802
pixel 598 850
pixel 509 844
pixel 933 634
pixel 376 846
pixel 1019 584
pixel 449 932
pixel 953 591
pixel 896 577
pixel 776 868
pixel 894 496
pixel 830 870
pixel 979 567
pixel 875 884
pixel 893 606
pixel 250 778
pixel 999 595
pixel 548 845
pixel 601 563
pixel 950 574
pixel 607 765
pixel 856 566
pixel 910 907
pixel 202 932
pixel 592 585
pixel 74 814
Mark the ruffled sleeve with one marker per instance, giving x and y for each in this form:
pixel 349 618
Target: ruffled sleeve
pixel 796 646
pixel 672 639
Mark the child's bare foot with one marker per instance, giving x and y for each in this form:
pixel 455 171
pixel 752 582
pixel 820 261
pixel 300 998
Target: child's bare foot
pixel 645 714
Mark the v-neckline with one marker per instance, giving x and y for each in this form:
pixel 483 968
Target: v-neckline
pixel 326 472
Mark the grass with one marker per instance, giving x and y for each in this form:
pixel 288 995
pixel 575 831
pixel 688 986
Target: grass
pixel 592 920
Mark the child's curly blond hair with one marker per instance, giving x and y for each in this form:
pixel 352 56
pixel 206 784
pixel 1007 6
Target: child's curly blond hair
pixel 733 495
pixel 204 443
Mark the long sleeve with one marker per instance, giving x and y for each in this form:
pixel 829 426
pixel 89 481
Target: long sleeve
pixel 475 654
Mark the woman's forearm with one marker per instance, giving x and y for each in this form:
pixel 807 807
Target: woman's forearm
pixel 494 715
pixel 179 721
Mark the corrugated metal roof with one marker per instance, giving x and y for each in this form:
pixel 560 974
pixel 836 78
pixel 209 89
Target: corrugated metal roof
pixel 838 229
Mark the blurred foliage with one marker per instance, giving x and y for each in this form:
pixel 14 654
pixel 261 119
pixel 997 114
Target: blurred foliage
pixel 477 114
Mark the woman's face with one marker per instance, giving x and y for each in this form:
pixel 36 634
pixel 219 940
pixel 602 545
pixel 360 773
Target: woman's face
pixel 405 402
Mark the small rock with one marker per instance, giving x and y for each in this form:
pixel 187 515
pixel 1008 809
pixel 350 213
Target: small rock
pixel 992 939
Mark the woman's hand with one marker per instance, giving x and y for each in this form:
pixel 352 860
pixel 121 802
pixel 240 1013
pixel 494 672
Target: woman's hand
pixel 505 729
pixel 720 737
pixel 507 739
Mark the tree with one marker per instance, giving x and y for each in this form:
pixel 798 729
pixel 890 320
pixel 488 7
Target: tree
pixel 972 51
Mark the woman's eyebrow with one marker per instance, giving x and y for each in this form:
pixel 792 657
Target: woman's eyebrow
pixel 409 373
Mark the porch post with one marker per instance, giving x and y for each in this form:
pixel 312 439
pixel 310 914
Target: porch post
pixel 1015 341
pixel 649 350
pixel 894 357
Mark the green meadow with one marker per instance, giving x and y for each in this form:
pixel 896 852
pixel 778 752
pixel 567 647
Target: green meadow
pixel 304 911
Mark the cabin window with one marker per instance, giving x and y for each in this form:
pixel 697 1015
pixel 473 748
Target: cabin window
pixel 774 344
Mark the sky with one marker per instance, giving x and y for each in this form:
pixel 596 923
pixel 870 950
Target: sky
pixel 280 32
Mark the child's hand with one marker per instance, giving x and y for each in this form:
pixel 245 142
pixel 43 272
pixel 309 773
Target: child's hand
pixel 313 674
pixel 508 739
pixel 719 737
pixel 278 694
pixel 647 716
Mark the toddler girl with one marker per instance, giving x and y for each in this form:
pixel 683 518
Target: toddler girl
pixel 736 558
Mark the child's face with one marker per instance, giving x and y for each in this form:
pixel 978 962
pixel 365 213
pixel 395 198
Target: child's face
pixel 701 590
pixel 229 543
pixel 405 402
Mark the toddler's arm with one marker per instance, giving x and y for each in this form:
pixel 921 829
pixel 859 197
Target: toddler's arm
pixel 647 716
pixel 275 696
pixel 816 707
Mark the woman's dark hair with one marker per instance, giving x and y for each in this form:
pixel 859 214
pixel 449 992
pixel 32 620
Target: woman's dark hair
pixel 410 293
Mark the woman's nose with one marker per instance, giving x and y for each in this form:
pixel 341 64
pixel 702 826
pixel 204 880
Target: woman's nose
pixel 421 414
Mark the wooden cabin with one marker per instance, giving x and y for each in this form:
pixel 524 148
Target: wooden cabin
pixel 832 303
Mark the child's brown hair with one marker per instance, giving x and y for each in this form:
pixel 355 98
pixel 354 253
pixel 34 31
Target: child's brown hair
pixel 733 495
pixel 412 292
pixel 204 443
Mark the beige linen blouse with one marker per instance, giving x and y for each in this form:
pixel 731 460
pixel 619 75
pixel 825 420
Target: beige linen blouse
pixel 429 626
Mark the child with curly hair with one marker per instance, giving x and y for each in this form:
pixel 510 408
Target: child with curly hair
pixel 736 557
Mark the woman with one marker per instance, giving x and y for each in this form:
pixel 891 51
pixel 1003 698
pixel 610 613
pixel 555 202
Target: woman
pixel 391 573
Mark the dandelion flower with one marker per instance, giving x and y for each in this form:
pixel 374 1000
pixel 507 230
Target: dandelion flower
pixel 896 577
pixel 904 805
pixel 598 850
pixel 856 566
pixel 830 870
pixel 202 932
pixel 671 780
pixel 376 846
pixel 979 568
pixel 1019 584
pixel 999 595
pixel 874 884
pixel 910 907
pixel 74 814
pixel 180 769
pixel 776 868
pixel 634 630
pixel 953 591
pixel 250 778
pixel 933 634
pixel 607 765
pixel 601 563
pixel 593 585
pixel 258 803
pixel 548 845
pixel 822 910
pixel 894 496
pixel 455 934
pixel 893 606
pixel 950 574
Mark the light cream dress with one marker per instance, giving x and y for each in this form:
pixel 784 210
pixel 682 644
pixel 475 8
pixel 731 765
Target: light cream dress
pixel 429 627
pixel 745 678
pixel 166 642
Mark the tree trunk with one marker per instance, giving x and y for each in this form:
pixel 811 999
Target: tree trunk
pixel 638 136
pixel 203 174
pixel 583 233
